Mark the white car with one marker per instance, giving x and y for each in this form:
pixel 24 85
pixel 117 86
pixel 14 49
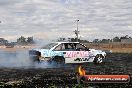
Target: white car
pixel 67 52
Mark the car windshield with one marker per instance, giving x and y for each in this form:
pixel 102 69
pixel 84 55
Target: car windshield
pixel 49 46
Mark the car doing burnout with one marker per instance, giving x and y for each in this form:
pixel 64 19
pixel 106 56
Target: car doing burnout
pixel 67 52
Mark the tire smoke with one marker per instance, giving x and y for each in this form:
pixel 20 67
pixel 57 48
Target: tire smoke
pixel 20 59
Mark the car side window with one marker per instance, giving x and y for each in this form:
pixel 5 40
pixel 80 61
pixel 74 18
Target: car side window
pixel 64 47
pixel 80 47
pixel 58 48
pixel 69 47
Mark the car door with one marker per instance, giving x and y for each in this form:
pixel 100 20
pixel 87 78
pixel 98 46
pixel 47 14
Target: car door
pixel 63 49
pixel 83 54
pixel 67 50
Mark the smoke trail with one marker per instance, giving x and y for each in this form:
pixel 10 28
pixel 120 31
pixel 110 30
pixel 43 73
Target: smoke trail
pixel 14 59
pixel 20 59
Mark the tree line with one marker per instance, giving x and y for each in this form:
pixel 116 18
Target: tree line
pixel 30 40
pixel 24 41
pixel 115 39
pixel 20 41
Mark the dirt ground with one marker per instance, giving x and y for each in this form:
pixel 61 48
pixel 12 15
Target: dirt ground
pixel 64 76
pixel 118 50
pixel 114 50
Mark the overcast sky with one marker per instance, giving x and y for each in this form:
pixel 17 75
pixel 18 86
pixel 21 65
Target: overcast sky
pixel 50 19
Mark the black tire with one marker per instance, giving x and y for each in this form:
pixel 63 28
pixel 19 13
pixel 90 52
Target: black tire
pixel 58 59
pixel 98 59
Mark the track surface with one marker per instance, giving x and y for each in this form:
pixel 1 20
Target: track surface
pixel 65 75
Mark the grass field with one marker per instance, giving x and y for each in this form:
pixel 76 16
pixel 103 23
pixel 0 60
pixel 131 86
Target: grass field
pixel 114 48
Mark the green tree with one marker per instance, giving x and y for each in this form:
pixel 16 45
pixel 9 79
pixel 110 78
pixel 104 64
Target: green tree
pixel 116 39
pixel 21 40
pixel 96 41
pixel 30 40
pixel 72 39
pixel 124 37
pixel 105 41
pixel 61 39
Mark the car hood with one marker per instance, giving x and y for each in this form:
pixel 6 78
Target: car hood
pixel 95 52
pixel 41 50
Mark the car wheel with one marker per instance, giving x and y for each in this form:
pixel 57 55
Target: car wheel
pixel 58 60
pixel 98 59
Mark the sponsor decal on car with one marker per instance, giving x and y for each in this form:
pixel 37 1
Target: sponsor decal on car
pixel 83 59
pixel 78 53
pixel 52 53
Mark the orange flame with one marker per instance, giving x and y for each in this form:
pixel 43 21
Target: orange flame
pixel 81 71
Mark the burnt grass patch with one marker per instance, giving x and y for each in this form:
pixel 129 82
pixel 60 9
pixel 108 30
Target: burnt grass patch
pixel 65 76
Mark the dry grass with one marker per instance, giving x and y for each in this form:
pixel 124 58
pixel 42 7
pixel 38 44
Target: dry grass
pixel 119 50
pixel 114 49
pixel 13 49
